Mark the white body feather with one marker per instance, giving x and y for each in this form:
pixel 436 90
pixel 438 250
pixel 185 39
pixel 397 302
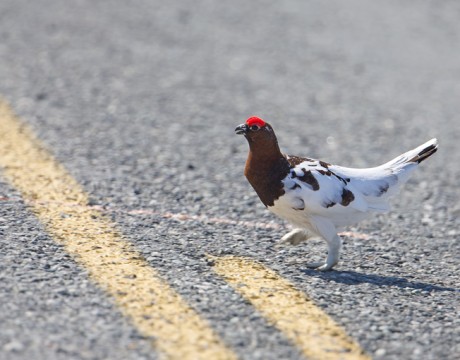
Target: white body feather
pixel 320 210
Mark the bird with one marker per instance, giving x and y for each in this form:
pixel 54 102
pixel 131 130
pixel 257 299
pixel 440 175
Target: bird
pixel 319 198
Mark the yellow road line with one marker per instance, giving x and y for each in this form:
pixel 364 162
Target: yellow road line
pixel 288 309
pixel 151 304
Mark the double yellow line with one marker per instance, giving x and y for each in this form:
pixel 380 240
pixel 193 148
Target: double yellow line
pixel 142 295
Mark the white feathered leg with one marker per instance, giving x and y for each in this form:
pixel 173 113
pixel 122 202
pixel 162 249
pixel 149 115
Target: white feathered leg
pixel 333 254
pixel 295 237
pixel 328 232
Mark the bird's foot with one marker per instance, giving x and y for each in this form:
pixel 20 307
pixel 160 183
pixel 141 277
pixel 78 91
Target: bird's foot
pixel 320 266
pixel 295 237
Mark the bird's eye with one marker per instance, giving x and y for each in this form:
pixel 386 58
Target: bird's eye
pixel 254 127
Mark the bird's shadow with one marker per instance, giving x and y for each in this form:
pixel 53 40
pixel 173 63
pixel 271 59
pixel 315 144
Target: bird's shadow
pixel 355 278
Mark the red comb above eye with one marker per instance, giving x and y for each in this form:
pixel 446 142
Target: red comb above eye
pixel 254 120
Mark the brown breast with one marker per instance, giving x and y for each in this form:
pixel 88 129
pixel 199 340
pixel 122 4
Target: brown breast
pixel 266 178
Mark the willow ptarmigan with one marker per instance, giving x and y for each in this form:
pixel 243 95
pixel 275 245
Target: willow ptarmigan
pixel 316 197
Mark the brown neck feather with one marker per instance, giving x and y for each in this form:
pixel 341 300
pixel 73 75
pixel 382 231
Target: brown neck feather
pixel 265 168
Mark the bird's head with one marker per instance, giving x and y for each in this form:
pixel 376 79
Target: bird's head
pixel 257 131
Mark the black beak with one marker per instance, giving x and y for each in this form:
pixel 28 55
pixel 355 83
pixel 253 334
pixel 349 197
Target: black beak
pixel 241 129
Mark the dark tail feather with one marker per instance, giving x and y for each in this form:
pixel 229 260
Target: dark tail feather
pixel 425 153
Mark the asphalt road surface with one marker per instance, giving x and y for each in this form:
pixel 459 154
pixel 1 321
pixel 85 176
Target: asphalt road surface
pixel 138 100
